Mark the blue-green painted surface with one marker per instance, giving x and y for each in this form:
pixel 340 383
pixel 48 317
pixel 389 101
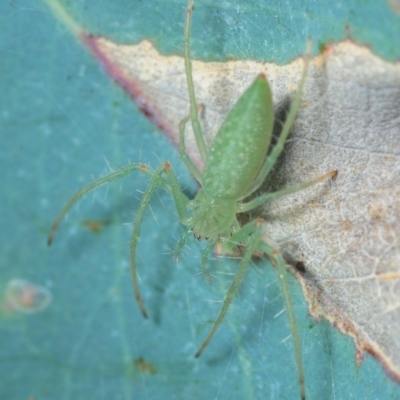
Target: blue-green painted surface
pixel 274 30
pixel 62 120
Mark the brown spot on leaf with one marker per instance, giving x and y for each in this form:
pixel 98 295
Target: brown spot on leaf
pixel 145 367
pixel 95 226
pixel 376 213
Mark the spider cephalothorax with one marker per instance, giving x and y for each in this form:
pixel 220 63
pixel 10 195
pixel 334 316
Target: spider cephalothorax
pixel 212 218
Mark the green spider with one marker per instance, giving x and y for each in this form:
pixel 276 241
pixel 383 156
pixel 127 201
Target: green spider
pixel 227 181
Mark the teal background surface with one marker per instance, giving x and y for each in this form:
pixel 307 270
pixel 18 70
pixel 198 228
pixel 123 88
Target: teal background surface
pixel 63 123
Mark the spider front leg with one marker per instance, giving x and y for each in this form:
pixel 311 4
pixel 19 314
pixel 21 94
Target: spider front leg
pixel 250 234
pixel 277 259
pixel 181 202
pixel 122 172
pixel 170 185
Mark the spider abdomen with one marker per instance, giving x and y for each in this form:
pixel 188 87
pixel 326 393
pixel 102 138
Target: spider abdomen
pixel 241 144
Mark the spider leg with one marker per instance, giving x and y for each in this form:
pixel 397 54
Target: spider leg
pixel 180 201
pixel 252 244
pixel 204 260
pixel 181 244
pixel 189 77
pixel 182 151
pixel 277 150
pixel 128 169
pixel 277 259
pixel 259 200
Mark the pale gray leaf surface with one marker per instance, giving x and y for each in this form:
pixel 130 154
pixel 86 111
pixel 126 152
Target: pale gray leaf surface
pixel 347 233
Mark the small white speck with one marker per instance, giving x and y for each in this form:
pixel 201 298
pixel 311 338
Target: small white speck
pixel 115 333
pixel 44 202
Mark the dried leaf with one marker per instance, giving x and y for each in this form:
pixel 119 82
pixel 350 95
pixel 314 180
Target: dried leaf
pixel 345 233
